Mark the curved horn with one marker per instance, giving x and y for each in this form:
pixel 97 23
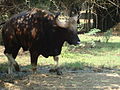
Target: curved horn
pixel 60 23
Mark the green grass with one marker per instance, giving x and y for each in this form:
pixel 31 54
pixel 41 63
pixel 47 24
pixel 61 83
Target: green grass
pixel 101 54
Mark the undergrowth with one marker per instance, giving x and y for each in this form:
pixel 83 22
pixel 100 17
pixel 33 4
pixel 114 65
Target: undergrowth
pixel 101 54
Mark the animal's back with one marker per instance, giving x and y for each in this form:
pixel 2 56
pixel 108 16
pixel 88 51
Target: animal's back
pixel 27 27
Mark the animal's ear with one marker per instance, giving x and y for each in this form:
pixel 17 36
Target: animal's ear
pixel 57 14
pixel 73 22
pixel 74 19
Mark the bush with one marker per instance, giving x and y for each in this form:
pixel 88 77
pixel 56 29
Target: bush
pixel 107 35
pixel 93 31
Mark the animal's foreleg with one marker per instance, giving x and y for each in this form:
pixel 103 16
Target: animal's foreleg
pixel 34 65
pixel 56 59
pixel 34 57
pixel 56 69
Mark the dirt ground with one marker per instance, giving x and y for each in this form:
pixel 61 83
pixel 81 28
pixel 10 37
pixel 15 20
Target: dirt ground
pixel 70 80
pixel 95 79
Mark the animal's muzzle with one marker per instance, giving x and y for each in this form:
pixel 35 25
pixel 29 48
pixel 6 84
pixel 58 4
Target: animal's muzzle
pixel 78 42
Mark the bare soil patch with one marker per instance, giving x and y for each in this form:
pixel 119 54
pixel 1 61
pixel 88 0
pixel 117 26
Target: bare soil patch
pixel 77 80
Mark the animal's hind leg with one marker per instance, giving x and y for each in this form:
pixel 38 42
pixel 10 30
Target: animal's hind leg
pixel 14 54
pixel 11 60
pixel 11 63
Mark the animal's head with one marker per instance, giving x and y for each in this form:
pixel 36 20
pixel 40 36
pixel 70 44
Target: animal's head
pixel 69 27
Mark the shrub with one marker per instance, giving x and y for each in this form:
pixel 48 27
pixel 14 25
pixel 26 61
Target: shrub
pixel 107 35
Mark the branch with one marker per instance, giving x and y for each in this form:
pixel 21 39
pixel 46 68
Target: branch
pixel 114 4
pixel 100 6
pixel 55 5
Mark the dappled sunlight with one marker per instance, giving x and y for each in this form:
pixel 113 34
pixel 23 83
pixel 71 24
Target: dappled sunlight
pixel 113 75
pixel 11 86
pixel 111 87
pixel 108 81
pixel 74 80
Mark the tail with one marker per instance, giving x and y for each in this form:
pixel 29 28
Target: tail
pixel 2 23
pixel 1 41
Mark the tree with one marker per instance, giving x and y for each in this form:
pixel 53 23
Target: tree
pixel 11 7
pixel 108 13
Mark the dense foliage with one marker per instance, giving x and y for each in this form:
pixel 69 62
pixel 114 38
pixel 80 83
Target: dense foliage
pixel 106 12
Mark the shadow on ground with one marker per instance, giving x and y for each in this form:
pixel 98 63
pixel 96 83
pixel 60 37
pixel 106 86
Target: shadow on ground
pixel 75 79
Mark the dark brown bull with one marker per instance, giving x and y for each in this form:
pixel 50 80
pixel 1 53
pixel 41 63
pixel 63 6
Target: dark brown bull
pixel 38 31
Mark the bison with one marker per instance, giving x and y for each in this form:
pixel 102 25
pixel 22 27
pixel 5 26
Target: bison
pixel 38 31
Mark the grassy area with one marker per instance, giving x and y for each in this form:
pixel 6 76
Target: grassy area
pixel 92 52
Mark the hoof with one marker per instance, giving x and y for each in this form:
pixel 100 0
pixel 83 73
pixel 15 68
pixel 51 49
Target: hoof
pixel 34 70
pixel 52 70
pixel 57 71
pixel 17 68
